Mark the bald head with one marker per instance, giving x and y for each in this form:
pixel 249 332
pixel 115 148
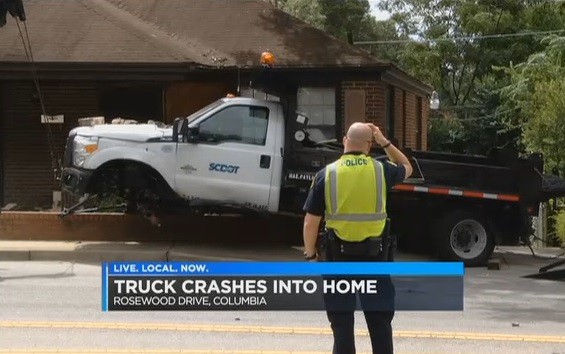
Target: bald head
pixel 358 138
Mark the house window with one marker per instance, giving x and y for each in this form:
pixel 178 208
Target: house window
pixel 318 103
pixel 240 124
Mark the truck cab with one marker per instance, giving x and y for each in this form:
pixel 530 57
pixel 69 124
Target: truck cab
pixel 232 152
pixel 229 153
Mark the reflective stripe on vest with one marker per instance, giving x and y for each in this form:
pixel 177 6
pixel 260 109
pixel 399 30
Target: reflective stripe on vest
pixel 351 216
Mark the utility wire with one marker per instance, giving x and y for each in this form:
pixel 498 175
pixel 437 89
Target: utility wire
pixel 55 159
pixel 481 117
pixel 465 38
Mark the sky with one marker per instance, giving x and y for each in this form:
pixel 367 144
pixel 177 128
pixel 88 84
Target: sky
pixel 380 15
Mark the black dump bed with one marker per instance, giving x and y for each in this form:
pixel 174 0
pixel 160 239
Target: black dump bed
pixel 553 187
pixel 502 171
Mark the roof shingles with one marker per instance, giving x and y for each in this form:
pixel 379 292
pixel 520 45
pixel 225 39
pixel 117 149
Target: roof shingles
pixel 70 31
pixel 245 28
pixel 206 32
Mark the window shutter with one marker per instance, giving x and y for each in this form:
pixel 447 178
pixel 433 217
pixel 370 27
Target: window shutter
pixel 354 107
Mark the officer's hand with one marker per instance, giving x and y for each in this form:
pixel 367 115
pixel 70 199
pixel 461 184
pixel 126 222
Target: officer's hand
pixel 378 135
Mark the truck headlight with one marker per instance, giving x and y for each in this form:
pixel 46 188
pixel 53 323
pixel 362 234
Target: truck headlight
pixel 83 147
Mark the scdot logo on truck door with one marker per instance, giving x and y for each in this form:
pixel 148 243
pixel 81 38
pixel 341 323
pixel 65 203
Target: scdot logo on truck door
pixel 220 167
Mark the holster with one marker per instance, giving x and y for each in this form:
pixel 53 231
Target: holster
pixel 378 248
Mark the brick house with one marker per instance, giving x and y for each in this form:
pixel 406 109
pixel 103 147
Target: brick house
pixel 161 59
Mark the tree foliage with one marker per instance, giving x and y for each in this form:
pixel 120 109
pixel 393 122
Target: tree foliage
pixel 308 11
pixel 536 104
pixel 445 52
pixel 458 48
pixel 345 18
pixel 467 50
pixel 349 20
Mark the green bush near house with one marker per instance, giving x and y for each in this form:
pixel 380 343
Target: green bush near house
pixel 560 227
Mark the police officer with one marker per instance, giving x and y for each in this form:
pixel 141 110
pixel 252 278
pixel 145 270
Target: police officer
pixel 351 194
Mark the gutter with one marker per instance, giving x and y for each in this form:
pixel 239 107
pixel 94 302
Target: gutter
pixel 396 76
pixel 97 70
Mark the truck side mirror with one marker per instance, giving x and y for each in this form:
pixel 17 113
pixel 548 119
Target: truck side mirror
pixel 180 130
pixel 176 126
pixel 192 134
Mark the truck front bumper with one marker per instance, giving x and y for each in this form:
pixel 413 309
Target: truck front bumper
pixel 75 180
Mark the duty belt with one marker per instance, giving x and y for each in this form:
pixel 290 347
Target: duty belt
pixel 371 246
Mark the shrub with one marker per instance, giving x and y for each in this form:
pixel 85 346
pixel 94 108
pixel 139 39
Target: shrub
pixel 559 219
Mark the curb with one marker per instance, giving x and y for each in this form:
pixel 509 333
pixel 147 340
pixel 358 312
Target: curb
pixel 79 256
pixel 15 255
pixel 96 252
pixel 184 256
pixel 82 252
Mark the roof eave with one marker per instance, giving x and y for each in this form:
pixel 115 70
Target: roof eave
pixel 395 75
pixel 99 65
pixel 300 67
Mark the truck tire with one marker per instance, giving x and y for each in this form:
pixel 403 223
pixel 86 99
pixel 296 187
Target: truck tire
pixel 464 236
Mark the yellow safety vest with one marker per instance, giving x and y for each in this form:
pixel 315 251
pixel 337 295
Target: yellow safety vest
pixel 355 197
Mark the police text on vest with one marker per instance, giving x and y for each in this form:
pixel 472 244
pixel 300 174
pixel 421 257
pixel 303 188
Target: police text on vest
pixel 355 162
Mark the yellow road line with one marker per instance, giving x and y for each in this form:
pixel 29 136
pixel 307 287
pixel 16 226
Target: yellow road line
pixel 276 330
pixel 145 351
pixel 159 351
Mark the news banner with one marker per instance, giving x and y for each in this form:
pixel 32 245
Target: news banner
pixel 282 286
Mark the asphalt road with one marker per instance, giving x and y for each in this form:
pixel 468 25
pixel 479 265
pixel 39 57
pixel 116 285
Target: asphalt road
pixel 55 306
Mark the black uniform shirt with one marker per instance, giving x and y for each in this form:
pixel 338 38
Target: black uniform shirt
pixel 316 204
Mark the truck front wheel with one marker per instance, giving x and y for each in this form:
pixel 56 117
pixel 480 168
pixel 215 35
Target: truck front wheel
pixel 464 236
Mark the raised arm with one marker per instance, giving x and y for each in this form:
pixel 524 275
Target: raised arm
pixel 393 153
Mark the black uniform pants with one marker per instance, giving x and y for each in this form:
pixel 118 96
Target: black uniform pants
pixel 378 309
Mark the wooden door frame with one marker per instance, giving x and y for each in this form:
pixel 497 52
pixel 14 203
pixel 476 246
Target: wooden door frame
pixel 403 118
pixel 419 125
pixel 390 110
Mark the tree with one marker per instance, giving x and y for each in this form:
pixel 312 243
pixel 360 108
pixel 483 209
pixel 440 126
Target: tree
pixel 457 47
pixel 385 31
pixel 348 20
pixel 345 19
pixel 535 102
pixel 444 32
pixel 306 10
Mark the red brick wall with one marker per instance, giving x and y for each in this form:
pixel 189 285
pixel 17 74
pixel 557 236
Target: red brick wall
pixel 425 117
pixel 28 174
pixel 374 100
pixel 411 123
pixel 398 113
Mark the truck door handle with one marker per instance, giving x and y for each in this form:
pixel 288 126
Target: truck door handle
pixel 265 161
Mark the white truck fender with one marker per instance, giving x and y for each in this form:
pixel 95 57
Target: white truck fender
pixel 160 157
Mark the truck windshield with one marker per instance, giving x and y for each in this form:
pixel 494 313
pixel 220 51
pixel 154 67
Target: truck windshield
pixel 204 110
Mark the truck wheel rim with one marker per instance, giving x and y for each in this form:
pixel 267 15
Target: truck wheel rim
pixel 468 239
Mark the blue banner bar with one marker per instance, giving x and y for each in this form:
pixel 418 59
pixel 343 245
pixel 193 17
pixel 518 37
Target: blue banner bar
pixel 105 287
pixel 286 268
